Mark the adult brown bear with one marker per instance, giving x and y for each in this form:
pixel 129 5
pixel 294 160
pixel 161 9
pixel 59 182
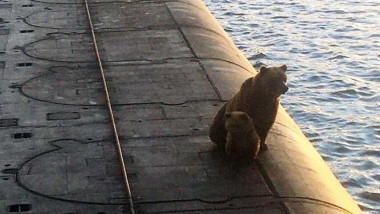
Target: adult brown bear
pixel 259 98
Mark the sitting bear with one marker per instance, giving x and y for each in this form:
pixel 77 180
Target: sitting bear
pixel 259 98
pixel 242 139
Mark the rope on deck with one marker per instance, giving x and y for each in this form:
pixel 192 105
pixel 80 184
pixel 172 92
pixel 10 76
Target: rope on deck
pixel 118 145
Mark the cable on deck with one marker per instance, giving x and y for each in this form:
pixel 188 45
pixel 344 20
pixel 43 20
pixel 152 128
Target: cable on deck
pixel 118 145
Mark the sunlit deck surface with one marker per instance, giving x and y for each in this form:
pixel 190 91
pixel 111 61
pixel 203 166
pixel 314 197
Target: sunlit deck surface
pixel 169 67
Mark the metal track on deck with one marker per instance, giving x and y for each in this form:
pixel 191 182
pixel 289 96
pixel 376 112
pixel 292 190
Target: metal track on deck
pixel 110 110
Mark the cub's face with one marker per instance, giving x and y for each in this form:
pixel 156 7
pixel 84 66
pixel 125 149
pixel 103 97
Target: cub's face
pixel 238 121
pixel 273 80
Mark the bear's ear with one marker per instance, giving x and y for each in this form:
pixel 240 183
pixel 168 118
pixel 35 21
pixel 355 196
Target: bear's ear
pixel 227 115
pixel 284 67
pixel 263 69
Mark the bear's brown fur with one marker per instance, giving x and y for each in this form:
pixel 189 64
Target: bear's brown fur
pixel 259 98
pixel 242 139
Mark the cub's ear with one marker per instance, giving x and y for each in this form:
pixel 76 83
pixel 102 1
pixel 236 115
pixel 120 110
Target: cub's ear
pixel 263 69
pixel 284 67
pixel 227 115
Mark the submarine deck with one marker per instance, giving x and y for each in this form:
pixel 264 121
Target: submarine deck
pixel 169 67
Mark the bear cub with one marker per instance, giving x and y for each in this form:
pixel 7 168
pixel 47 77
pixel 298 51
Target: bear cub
pixel 259 98
pixel 242 139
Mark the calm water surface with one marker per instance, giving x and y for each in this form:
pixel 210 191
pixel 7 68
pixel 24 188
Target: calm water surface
pixel 332 49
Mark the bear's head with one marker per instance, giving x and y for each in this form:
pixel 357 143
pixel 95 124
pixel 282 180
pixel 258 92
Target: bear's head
pixel 272 80
pixel 238 121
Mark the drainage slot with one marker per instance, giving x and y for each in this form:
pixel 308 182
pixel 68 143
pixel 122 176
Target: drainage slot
pixel 16 208
pixel 5 6
pixel 8 122
pixel 63 116
pixel 10 171
pixel 26 31
pixel 4 31
pixel 22 135
pixel 27 5
pixel 2 21
pixel 24 64
pixel 15 86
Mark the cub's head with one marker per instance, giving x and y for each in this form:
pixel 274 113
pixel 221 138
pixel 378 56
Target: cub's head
pixel 238 121
pixel 272 80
